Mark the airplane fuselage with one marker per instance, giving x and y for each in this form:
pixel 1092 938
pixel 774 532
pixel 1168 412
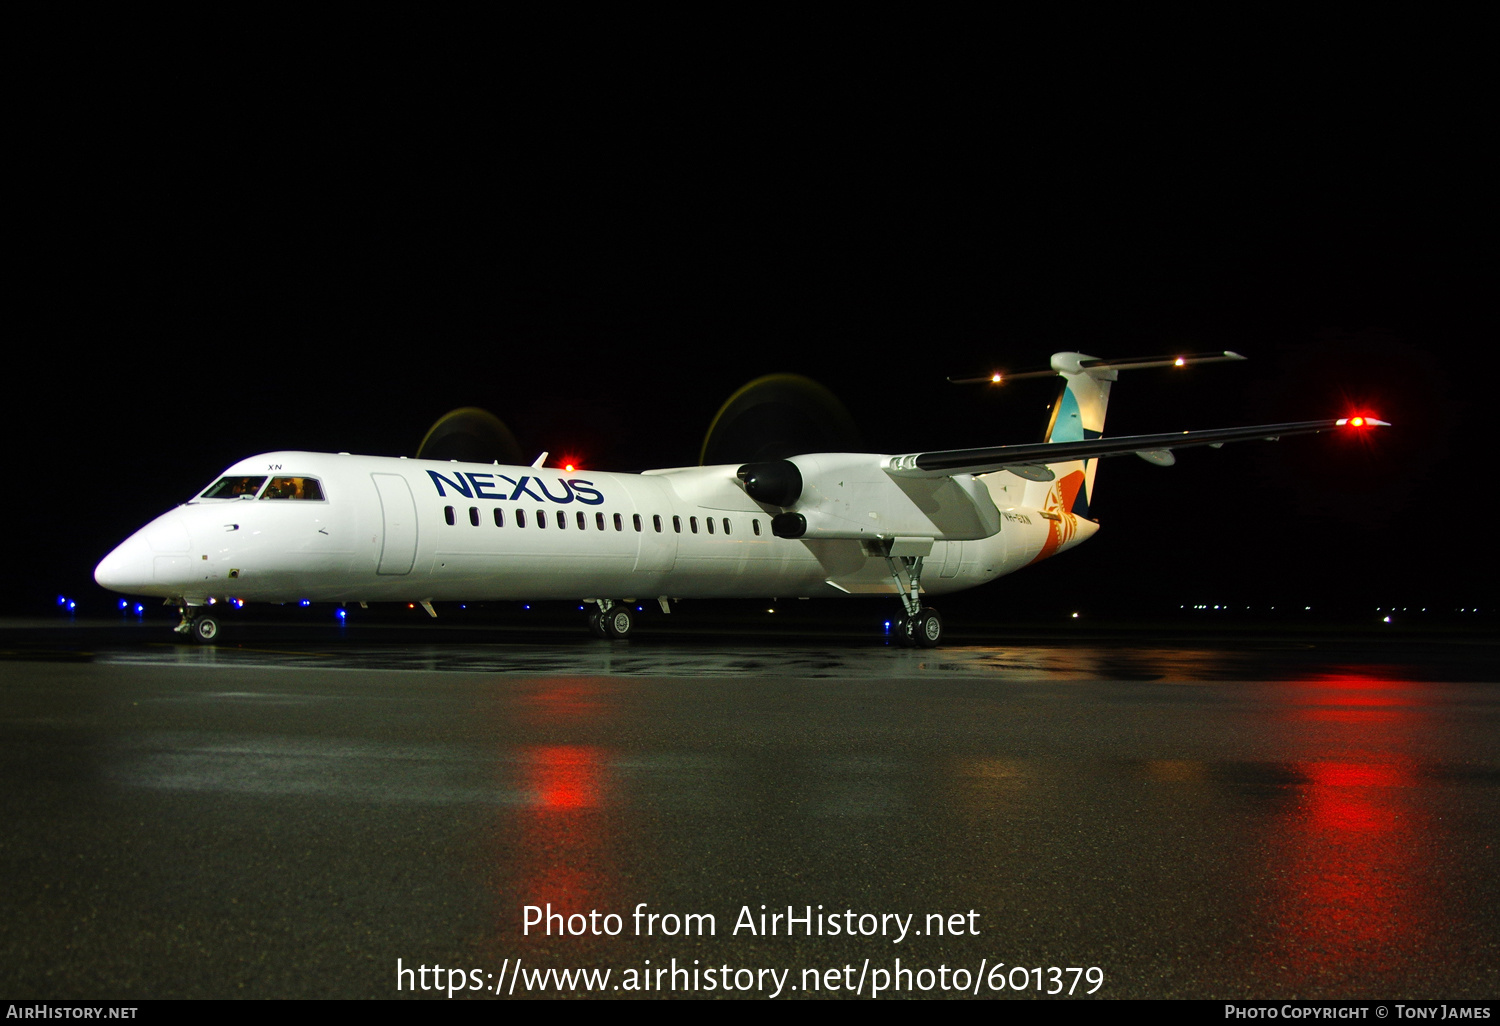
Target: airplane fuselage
pixel 367 529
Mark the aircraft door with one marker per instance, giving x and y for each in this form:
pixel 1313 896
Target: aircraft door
pixel 398 510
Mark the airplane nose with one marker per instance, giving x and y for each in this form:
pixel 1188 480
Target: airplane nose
pixel 128 568
pixel 150 561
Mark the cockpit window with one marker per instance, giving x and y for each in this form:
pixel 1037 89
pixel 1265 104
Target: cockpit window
pixel 294 488
pixel 233 487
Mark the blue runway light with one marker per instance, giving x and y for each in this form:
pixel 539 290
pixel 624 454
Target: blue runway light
pixel 139 609
pixel 124 603
pixel 305 602
pixel 342 613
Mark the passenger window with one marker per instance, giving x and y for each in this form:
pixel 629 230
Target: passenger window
pixel 448 515
pixel 582 521
pixel 499 517
pixel 677 524
pixel 474 515
pixel 726 525
pixel 294 488
pixel 636 519
pixel 656 522
pixel 619 524
pixel 693 524
pixel 520 518
pixel 599 521
pixel 755 526
pixel 562 520
pixel 541 518
pixel 709 521
pixel 233 487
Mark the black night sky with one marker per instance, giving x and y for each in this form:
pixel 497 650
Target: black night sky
pixel 603 268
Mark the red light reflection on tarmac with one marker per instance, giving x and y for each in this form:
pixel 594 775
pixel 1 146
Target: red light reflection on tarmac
pixel 564 840
pixel 565 777
pixel 1356 698
pixel 1350 892
pixel 565 845
pixel 567 703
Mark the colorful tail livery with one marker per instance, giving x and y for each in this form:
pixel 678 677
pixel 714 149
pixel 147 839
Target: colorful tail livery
pixel 1078 415
pixel 303 526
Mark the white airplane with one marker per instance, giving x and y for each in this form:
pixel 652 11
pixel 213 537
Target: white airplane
pixel 291 526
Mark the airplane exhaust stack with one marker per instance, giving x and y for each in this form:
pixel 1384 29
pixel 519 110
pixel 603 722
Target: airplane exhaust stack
pixel 778 483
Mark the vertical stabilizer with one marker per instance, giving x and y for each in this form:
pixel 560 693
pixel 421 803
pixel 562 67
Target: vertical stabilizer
pixel 1077 415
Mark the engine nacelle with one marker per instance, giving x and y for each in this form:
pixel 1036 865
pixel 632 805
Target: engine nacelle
pixel 851 496
pixel 777 483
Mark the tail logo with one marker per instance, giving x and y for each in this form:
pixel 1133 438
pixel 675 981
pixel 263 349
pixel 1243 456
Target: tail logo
pixel 1061 523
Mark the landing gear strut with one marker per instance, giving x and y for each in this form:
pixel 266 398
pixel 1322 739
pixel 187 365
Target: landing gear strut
pixel 921 626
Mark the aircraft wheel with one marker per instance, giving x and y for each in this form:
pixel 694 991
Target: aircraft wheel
pixel 596 624
pixel 205 629
pixel 901 630
pixel 619 622
pixel 926 628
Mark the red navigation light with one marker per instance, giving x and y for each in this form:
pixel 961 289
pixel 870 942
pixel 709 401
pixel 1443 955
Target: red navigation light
pixel 1356 422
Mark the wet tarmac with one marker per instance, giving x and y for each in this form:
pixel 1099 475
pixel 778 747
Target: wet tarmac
pixel 292 815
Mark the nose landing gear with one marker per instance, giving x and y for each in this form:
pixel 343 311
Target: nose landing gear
pixel 201 626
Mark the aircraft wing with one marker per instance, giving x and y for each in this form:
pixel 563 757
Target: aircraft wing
pixel 1030 460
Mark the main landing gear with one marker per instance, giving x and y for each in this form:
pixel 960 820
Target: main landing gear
pixel 612 620
pixel 920 625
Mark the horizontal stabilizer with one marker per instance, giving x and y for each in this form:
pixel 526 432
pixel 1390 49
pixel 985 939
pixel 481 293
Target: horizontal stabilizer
pixel 1092 363
pixel 1019 457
